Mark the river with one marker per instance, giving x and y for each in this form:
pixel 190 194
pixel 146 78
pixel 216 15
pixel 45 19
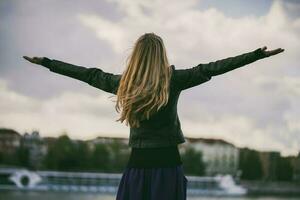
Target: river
pixel 19 195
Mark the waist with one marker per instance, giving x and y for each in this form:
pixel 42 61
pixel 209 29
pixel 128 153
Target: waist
pixel 154 157
pixel 150 140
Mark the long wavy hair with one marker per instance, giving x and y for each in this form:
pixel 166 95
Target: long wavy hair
pixel 144 85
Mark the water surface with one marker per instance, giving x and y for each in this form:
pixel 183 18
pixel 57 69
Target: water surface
pixel 19 195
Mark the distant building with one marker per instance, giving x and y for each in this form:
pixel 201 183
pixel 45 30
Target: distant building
pixel 9 140
pixel 295 161
pixel 108 140
pixel 219 156
pixel 36 146
pixel 269 161
pixel 49 140
pixel 105 140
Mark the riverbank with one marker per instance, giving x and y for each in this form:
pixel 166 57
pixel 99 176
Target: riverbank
pixel 258 188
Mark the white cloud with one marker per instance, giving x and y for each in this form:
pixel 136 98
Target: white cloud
pixel 81 115
pixel 263 114
pixel 256 106
pixel 109 31
pixel 192 34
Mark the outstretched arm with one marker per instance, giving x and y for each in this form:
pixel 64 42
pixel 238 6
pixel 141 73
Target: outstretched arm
pixel 93 76
pixel 190 77
pixel 222 66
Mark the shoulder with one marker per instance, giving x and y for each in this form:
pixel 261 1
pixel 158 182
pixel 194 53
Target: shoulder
pixel 174 76
pixel 176 73
pixel 188 77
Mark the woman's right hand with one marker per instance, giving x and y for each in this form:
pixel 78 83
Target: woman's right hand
pixel 271 52
pixel 35 60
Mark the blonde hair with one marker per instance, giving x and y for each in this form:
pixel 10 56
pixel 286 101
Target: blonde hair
pixel 144 85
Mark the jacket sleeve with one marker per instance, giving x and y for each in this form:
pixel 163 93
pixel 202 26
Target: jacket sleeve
pixel 93 76
pixel 203 72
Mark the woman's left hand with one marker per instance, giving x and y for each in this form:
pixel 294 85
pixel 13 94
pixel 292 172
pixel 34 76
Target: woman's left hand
pixel 35 60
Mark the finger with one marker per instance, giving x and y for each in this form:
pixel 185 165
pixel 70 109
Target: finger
pixel 27 58
pixel 278 50
pixel 275 51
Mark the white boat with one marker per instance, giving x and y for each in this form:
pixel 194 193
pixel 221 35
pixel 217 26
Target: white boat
pixel 23 179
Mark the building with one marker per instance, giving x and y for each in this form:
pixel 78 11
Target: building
pixel 295 161
pixel 36 146
pixel 269 163
pixel 106 140
pixel 9 140
pixel 49 141
pixel 219 156
pixel 109 140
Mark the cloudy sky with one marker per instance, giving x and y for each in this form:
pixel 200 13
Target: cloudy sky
pixel 255 106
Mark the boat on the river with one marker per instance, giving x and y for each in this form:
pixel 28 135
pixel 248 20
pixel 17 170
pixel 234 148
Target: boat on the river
pixel 23 179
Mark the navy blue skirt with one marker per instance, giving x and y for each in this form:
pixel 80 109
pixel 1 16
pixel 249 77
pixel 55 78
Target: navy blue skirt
pixel 157 183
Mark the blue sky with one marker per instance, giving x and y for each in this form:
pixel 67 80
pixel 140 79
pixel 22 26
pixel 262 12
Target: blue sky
pixel 254 106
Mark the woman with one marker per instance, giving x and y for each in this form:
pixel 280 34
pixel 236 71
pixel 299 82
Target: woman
pixel 148 91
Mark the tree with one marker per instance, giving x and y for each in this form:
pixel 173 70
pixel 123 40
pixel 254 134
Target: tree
pixel 22 156
pixel 250 164
pixel 100 158
pixel 119 155
pixel 193 163
pixel 63 155
pixel 284 169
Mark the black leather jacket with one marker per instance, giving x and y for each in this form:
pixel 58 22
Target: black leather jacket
pixel 163 128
